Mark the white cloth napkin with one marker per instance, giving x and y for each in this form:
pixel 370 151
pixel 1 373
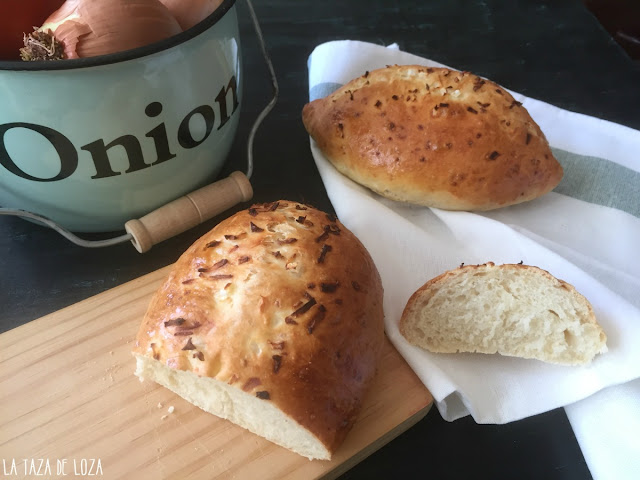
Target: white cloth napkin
pixel 586 232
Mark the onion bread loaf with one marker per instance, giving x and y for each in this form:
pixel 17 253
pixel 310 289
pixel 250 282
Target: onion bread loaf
pixel 515 310
pixel 272 320
pixel 434 137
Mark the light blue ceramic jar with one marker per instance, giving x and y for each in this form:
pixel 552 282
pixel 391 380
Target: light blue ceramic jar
pixel 94 142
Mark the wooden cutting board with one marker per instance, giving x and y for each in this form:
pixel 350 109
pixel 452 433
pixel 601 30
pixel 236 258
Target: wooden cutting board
pixel 69 400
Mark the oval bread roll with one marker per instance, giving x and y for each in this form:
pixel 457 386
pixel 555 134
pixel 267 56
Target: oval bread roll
pixel 515 310
pixel 272 320
pixel 434 137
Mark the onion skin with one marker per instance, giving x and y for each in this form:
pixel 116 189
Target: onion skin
pixel 191 12
pixel 20 17
pixel 89 28
pixel 66 9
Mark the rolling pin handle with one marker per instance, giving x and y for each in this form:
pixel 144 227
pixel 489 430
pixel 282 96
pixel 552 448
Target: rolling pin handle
pixel 186 212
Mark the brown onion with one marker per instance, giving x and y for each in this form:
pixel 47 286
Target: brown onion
pixel 190 12
pixel 88 28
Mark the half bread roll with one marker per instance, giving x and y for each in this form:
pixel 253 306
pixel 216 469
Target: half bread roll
pixel 272 320
pixel 515 310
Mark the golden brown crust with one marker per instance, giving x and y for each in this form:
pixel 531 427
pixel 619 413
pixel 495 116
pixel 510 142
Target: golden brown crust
pixel 434 137
pixel 282 301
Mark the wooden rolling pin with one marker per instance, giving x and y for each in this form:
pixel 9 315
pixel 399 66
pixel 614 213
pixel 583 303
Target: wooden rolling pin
pixel 186 212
